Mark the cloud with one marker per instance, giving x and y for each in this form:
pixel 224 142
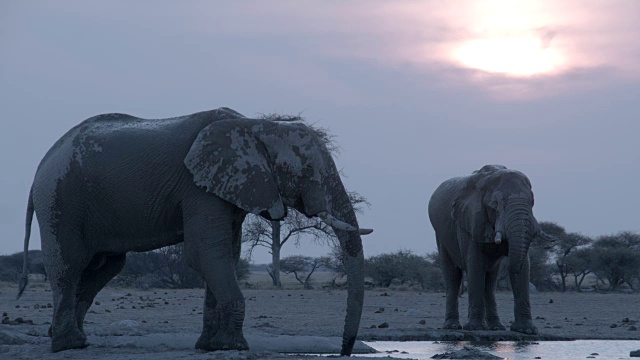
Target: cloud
pixel 587 36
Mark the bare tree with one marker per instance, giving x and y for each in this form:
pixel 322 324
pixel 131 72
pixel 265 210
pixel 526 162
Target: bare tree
pixel 273 235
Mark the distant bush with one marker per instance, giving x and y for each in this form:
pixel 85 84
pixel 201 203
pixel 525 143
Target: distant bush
pixel 404 268
pixel 11 265
pixel 166 268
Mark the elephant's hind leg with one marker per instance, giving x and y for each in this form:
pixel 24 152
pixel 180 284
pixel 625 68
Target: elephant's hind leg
pixel 64 278
pixel 101 270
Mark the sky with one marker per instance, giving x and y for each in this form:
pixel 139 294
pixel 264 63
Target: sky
pixel 415 92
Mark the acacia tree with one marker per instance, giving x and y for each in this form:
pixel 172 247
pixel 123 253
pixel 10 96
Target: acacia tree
pixel 616 258
pixel 302 267
pixel 272 235
pixel 579 262
pixel 565 243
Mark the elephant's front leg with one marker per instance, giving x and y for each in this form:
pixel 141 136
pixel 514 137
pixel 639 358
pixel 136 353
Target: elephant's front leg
pixel 476 275
pixel 208 244
pixel 522 305
pixel 210 323
pixel 493 320
pixel 222 325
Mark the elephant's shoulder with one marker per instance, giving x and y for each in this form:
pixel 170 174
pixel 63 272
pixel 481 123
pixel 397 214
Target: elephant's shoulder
pixel 208 116
pixel 110 117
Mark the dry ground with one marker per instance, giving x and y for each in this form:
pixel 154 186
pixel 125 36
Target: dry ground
pixel 175 316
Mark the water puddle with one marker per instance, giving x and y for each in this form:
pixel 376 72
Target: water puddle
pixel 578 349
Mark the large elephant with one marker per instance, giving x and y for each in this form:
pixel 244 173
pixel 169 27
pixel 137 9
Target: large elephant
pixel 116 183
pixel 478 219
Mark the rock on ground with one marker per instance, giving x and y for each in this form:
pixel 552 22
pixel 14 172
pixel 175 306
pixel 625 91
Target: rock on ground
pixel 466 353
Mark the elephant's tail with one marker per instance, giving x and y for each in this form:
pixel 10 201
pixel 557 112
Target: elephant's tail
pixel 24 277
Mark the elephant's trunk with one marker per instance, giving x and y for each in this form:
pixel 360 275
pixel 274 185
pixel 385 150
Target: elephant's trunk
pixel 353 259
pixel 519 226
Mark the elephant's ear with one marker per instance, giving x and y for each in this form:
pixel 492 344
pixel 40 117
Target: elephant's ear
pixel 230 161
pixel 470 215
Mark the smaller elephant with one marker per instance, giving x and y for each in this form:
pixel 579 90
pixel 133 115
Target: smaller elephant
pixel 479 219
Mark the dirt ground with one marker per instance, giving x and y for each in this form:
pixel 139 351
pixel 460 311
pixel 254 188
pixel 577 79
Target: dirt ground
pixel 157 323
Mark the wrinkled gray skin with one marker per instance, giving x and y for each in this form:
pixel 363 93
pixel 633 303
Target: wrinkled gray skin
pixel 116 183
pixel 467 212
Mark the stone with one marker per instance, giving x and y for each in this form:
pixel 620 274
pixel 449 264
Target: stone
pixel 467 352
pixel 634 353
pixel 384 325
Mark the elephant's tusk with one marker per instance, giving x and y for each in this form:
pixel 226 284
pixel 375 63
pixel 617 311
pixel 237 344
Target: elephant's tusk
pixel 365 231
pixel 333 222
pixel 550 238
pixel 498 239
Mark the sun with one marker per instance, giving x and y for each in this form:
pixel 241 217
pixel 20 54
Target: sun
pixel 518 56
pixel 511 38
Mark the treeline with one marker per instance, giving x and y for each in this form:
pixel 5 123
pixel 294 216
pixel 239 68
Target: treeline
pixel 610 262
pixel 613 260
pixel 162 268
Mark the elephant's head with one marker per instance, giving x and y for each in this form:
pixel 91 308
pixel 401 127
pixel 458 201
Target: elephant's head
pixel 496 206
pixel 265 166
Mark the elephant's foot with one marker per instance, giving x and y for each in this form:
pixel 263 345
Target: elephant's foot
pixel 524 326
pixel 222 328
pixel 495 325
pixel 222 341
pixel 475 325
pixel 67 342
pixel 452 325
